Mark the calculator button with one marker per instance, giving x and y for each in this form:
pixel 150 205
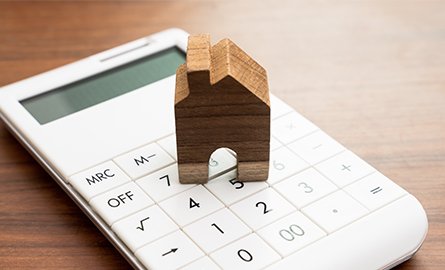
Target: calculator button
pixel 249 252
pixel 99 179
pixel 335 211
pixel 283 163
pixel 163 183
pixel 169 145
pixel 204 263
pixel 291 233
pixel 120 202
pixel 170 252
pixel 291 127
pixel 305 187
pixel 216 230
pixel 144 160
pixel 278 107
pixel 229 190
pixel 316 147
pixel 191 205
pixel 220 161
pixel 344 168
pixel 262 208
pixel 144 227
pixel 375 191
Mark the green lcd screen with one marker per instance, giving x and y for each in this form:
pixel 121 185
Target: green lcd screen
pixel 90 91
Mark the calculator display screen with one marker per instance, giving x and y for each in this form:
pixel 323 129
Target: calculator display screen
pixel 90 91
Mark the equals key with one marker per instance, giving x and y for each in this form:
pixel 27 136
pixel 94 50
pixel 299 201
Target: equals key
pixel 376 190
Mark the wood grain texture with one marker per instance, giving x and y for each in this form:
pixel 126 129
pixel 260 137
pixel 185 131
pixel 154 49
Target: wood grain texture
pixel 221 100
pixel 369 72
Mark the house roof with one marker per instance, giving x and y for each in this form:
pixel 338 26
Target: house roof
pixel 223 59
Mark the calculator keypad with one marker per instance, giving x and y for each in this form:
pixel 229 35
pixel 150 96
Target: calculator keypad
pixel 144 160
pixel 305 187
pixel 344 168
pixel 315 188
pixel 335 211
pixel 192 205
pixel 291 233
pixel 316 147
pixel 120 202
pixel 229 190
pixel 222 227
pixel 284 163
pixel 98 179
pixel 163 184
pixel 262 208
pixel 291 127
pixel 170 252
pixel 144 227
pixel 248 253
pixel 375 191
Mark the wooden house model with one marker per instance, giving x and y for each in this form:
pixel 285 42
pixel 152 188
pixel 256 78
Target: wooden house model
pixel 221 100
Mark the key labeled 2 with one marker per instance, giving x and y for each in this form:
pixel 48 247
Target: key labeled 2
pixel 262 208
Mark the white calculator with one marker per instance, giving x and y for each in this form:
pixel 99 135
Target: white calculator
pixel 103 128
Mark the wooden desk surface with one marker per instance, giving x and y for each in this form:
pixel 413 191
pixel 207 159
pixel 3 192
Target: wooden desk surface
pixel 370 73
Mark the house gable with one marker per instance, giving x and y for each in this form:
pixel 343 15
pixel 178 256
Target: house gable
pixel 206 64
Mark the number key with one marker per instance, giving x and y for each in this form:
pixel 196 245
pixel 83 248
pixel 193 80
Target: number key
pixel 305 187
pixel 191 205
pixel 229 190
pixel 163 183
pixel 291 233
pixel 262 208
pixel 284 163
pixel 216 230
pixel 249 252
